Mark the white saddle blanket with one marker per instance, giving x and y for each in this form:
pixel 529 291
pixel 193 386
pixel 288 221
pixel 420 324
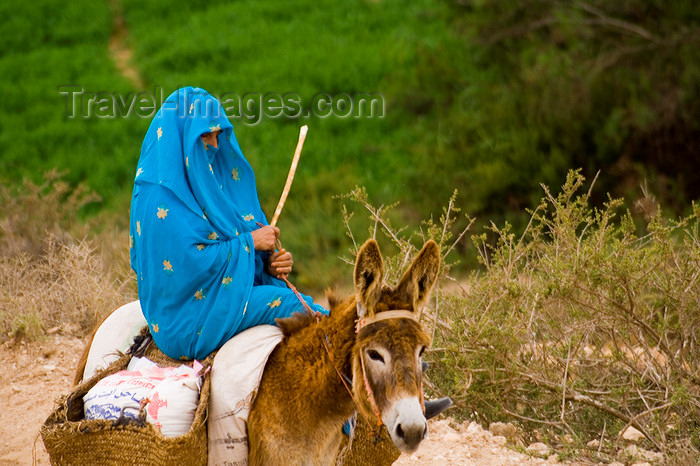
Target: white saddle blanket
pixel 236 373
pixel 115 334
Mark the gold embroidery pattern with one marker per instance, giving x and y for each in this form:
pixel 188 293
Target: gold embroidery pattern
pixel 275 303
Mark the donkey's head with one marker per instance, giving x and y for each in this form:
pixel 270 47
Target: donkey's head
pixel 389 344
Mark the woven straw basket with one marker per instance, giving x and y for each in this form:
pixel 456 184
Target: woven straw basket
pixel 72 440
pixel 365 449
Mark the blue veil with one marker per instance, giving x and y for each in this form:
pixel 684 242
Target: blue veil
pixel 192 211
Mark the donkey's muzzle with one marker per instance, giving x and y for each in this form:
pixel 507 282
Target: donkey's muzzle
pixel 411 434
pixel 407 424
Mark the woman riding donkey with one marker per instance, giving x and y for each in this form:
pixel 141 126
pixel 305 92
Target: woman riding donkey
pixel 202 249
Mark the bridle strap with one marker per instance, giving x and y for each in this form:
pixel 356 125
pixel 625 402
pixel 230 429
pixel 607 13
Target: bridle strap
pixel 370 394
pixel 345 381
pixel 386 315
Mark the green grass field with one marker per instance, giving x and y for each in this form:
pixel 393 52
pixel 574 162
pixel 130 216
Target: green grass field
pixel 241 48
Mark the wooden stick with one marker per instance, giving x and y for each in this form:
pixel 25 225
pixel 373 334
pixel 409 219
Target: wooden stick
pixel 290 176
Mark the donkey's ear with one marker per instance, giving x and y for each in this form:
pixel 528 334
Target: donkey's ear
pixel 369 272
pixel 416 283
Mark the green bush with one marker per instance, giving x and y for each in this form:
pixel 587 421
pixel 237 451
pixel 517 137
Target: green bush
pixel 516 92
pixel 574 330
pixel 579 328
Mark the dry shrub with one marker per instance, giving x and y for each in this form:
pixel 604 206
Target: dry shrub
pixel 579 328
pixel 111 243
pixel 400 246
pixel 65 287
pixel 50 280
pixel 575 330
pixel 31 214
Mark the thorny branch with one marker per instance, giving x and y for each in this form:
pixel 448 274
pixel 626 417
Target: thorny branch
pixel 573 395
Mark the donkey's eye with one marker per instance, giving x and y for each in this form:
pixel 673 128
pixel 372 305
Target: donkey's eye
pixel 422 350
pixel 374 355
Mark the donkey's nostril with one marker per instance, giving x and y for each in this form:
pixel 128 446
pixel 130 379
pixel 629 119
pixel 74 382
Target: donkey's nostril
pixel 411 434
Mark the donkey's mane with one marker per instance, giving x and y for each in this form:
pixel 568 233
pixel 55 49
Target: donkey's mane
pixel 294 323
pixel 300 320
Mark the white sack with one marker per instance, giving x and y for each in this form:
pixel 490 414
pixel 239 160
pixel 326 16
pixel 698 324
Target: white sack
pixel 170 395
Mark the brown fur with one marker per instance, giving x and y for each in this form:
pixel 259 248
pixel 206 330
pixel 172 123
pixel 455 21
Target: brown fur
pixel 302 404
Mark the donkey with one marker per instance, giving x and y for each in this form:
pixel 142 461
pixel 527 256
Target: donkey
pixel 374 340
pixel 302 403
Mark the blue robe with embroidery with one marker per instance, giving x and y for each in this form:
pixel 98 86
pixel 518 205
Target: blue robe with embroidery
pixel 200 280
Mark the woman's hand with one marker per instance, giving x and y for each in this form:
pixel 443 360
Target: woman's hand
pixel 279 264
pixel 265 238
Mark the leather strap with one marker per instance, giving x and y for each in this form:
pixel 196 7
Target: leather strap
pixel 392 314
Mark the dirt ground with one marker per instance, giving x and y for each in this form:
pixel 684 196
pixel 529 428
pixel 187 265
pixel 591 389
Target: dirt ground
pixel 36 374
